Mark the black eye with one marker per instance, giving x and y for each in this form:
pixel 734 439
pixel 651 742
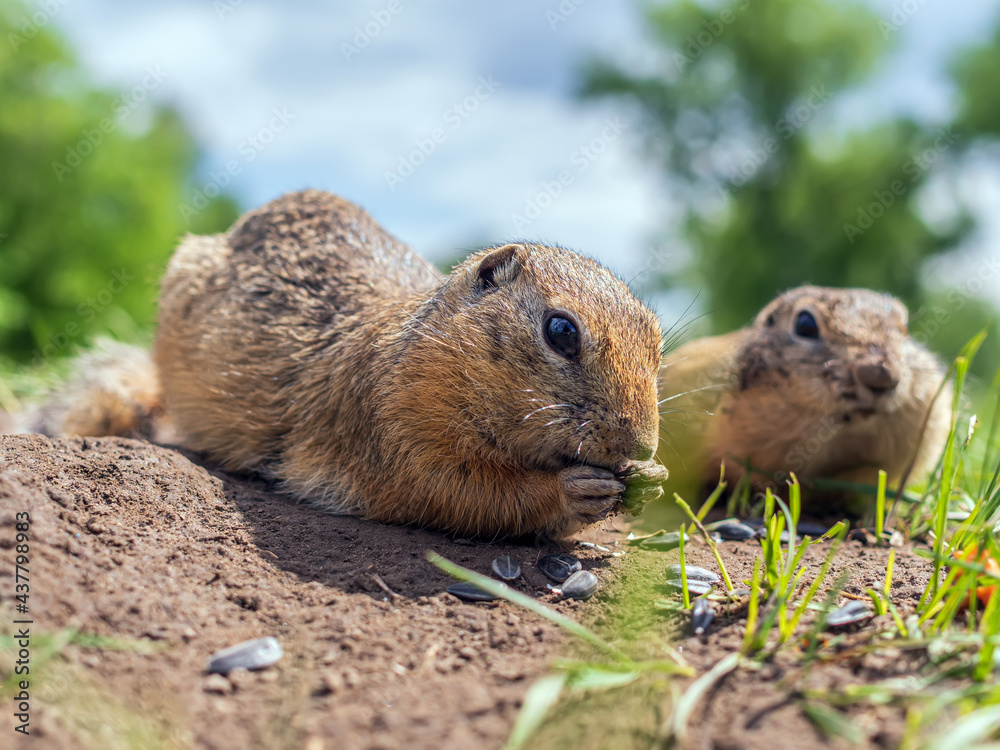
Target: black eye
pixel 563 337
pixel 806 326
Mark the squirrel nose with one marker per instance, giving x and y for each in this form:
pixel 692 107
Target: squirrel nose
pixel 879 378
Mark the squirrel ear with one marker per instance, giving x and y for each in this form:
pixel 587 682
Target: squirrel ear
pixel 500 266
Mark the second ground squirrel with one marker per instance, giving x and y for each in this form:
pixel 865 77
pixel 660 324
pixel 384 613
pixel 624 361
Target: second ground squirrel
pixel 824 383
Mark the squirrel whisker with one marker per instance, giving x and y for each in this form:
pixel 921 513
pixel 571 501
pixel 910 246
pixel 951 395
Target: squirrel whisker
pixel 686 393
pixel 543 408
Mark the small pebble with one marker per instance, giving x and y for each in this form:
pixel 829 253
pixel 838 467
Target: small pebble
pixel 581 585
pixel 852 613
pixel 216 683
pixel 255 654
pixel 559 567
pixel 868 537
pixel 470 592
pixel 506 568
pixel 698 588
pixel 694 573
pixel 702 615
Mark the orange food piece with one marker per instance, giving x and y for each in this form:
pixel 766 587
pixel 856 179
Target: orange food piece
pixel 983 593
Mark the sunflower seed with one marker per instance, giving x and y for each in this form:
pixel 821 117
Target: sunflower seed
pixel 581 585
pixel 559 567
pixel 850 614
pixel 506 568
pixel 255 654
pixel 694 573
pixel 470 592
pixel 784 537
pixel 702 615
pixel 694 587
pixel 734 531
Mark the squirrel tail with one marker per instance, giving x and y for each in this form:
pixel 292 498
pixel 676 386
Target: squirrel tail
pixel 112 390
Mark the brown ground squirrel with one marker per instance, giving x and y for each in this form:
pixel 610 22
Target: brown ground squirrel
pixel 824 383
pixel 516 395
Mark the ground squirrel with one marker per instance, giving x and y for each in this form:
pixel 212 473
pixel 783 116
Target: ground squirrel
pixel 516 395
pixel 824 383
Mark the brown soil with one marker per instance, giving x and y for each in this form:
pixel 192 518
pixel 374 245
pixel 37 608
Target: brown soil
pixel 137 542
pixel 141 543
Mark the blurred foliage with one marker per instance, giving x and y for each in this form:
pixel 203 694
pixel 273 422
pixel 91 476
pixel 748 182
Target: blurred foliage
pixel 89 203
pixel 976 73
pixel 738 109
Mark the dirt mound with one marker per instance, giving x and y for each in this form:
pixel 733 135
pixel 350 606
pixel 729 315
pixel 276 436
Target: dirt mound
pixel 138 543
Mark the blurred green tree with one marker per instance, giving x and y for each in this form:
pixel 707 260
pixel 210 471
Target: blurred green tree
pixel 741 110
pixel 90 198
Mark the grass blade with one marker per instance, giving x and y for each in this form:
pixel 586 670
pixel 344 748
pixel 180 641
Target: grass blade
pixel 880 505
pixel 538 701
pixel 831 723
pixel 676 726
pixel 974 727
pixel 708 539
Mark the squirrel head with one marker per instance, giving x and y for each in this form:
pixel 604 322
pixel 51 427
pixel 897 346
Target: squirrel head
pixel 843 352
pixel 553 360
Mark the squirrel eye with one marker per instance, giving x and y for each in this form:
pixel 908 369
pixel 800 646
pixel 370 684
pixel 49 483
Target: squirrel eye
pixel 563 336
pixel 806 326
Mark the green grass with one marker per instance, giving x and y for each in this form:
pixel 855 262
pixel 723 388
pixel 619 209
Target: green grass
pixel 953 701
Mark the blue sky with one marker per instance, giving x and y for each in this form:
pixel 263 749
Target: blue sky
pixel 485 88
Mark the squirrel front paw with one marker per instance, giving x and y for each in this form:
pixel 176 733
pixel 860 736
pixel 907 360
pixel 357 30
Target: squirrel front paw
pixel 590 493
pixel 643 483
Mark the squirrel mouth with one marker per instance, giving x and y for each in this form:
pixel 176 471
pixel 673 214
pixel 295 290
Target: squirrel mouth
pixel 859 414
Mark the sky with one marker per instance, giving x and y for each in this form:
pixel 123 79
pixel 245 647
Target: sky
pixel 456 124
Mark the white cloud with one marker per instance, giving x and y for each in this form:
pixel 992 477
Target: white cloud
pixel 355 118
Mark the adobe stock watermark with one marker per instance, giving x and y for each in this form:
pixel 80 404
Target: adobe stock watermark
pixel 562 12
pixel 91 138
pixel 369 30
pixel 794 119
pixel 249 149
pixel 928 321
pixel 659 259
pixel 223 8
pixel 581 158
pixel 33 24
pixel 86 311
pixel 712 28
pixel 453 118
pixel 802 454
pixel 913 169
pixel 901 13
